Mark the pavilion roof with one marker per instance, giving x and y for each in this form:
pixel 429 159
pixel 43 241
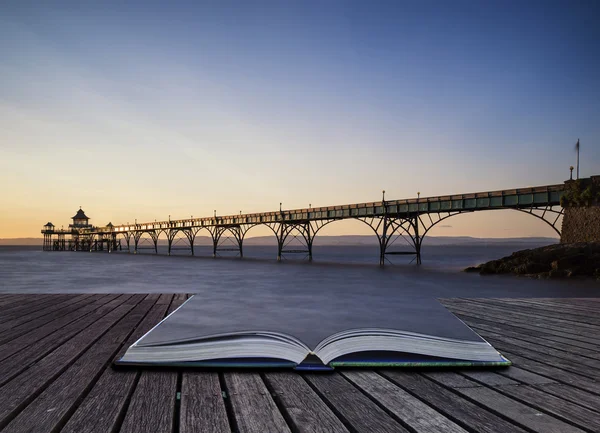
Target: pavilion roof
pixel 80 215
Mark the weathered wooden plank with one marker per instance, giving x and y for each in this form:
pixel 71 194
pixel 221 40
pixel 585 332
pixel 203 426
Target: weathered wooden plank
pixel 462 380
pixel 576 379
pixel 111 394
pixel 579 341
pixel 567 392
pixel 452 379
pixel 54 310
pixel 22 300
pixel 490 378
pixel 352 406
pixel 253 408
pixel 41 303
pixel 490 316
pixel 533 319
pixel 304 409
pixel 22 357
pixel 543 307
pixel 154 396
pixel 202 406
pixel 559 407
pixel 557 349
pixel 13 299
pixel 581 306
pixel 559 359
pixel 22 389
pixel 38 333
pixel 411 411
pixel 152 403
pixel 524 376
pixel 544 357
pixel 460 410
pixel 512 306
pixel 538 337
pixel 49 409
pixel 17 328
pixel 178 299
pixel 518 412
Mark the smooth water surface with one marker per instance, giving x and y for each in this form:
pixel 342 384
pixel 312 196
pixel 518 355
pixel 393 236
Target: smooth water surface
pixel 351 271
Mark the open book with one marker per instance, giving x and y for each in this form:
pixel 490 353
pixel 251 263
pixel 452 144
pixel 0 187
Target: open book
pixel 305 335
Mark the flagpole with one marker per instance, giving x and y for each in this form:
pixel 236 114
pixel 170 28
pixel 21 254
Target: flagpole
pixel 578 158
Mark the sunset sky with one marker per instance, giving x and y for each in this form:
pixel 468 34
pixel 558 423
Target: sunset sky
pixel 150 109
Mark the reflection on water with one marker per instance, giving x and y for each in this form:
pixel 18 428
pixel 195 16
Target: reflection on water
pixel 344 269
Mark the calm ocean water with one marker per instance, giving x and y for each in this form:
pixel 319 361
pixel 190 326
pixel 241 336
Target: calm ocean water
pixel 347 270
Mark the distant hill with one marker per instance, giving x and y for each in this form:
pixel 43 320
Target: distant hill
pixel 22 241
pixel 430 240
pixel 341 240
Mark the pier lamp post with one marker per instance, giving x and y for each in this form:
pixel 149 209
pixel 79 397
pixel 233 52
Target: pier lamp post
pixel 280 207
pixel 215 213
pixel 383 193
pixel 418 195
pixel 310 206
pixel 571 168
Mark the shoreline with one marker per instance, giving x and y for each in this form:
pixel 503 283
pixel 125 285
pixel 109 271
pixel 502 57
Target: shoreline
pixel 559 261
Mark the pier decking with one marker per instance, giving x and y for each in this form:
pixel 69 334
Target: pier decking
pixel 56 353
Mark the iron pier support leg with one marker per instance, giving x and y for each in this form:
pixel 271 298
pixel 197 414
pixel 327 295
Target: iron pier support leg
pixel 417 241
pixel 383 242
pixel 309 241
pixel 216 238
pixel 191 241
pixel 280 240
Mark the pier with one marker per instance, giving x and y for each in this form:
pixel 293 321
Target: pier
pixel 391 220
pixel 56 375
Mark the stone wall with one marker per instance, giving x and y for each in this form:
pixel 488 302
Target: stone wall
pixel 581 224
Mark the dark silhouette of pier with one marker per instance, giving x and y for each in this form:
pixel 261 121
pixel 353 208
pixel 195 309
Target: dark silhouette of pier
pixel 296 229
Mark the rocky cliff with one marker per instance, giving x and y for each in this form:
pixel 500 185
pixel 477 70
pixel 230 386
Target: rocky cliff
pixel 553 261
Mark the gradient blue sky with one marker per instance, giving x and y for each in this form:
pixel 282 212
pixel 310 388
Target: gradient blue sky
pixel 145 109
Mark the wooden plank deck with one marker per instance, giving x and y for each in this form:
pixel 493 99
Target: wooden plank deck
pixel 56 353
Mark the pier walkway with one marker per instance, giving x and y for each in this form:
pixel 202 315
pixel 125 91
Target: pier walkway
pixel 295 229
pixel 56 353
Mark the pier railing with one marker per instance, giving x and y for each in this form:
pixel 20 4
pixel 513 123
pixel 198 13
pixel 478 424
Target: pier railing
pixel 410 219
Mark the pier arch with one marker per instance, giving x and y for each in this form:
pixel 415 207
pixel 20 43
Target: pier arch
pixel 552 217
pixel 250 244
pixel 126 239
pixel 180 241
pixel 145 242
